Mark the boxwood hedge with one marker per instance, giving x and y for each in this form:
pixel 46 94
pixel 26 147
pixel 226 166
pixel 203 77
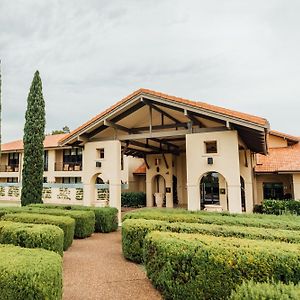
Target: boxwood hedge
pixel 135 230
pixel 251 220
pixel 133 199
pixel 279 207
pixel 106 218
pixel 274 291
pixel 30 273
pixel 67 224
pixel 191 266
pixel 49 237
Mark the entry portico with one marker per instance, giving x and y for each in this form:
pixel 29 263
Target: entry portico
pixel 196 155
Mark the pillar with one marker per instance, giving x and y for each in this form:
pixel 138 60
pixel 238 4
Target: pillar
pixel 296 186
pixel 234 197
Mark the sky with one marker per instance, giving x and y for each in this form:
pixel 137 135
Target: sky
pixel 239 54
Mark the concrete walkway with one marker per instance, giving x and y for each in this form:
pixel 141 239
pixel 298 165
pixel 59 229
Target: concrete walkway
pixel 94 268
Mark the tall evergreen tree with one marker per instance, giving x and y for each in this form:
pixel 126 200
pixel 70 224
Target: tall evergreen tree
pixel 34 134
pixel 0 111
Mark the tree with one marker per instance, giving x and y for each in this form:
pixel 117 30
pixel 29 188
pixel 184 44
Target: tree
pixel 34 134
pixel 0 110
pixel 65 129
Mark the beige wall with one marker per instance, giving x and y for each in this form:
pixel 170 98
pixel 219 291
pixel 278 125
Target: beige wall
pixel 276 142
pixel 296 185
pixel 226 162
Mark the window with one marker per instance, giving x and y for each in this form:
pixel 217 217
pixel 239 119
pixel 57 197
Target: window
pixel 46 160
pixel 211 147
pixel 122 161
pixel 273 190
pixel 13 159
pixel 12 179
pixel 101 153
pixel 45 180
pixel 71 180
pixel 73 155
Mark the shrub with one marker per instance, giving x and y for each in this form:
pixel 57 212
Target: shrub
pixel 279 207
pixel 30 273
pixel 135 231
pixel 67 224
pixel 49 237
pixel 106 218
pixel 133 199
pixel 84 220
pixel 250 220
pixel 189 266
pixel 275 291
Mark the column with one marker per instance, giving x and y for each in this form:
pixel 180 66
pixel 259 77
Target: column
pixel 296 186
pixel 234 196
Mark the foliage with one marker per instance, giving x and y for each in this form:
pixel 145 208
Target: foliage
pixel 33 167
pixel 65 129
pixel 0 110
pixel 279 207
pixel 252 220
pixel 133 199
pixel 274 291
pixel 30 273
pixel 134 232
pixel 67 224
pixel 106 218
pixel 191 266
pixel 48 237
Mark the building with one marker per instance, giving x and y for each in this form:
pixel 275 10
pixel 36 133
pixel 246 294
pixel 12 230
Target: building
pixel 180 152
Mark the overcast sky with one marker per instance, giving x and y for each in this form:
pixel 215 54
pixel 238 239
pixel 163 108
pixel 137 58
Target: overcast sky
pixel 240 54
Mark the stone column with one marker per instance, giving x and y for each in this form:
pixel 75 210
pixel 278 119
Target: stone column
pixel 234 196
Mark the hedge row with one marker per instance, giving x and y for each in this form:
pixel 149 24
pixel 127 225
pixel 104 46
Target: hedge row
pixel 189 266
pixel 273 291
pixel 30 273
pixel 106 218
pixel 67 224
pixel 133 199
pixel 84 220
pixel 48 237
pixel 251 220
pixel 279 207
pixel 135 231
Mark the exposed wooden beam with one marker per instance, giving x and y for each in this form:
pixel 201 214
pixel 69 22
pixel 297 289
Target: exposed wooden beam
pixel 116 126
pixel 192 118
pixel 164 142
pixel 159 127
pixel 165 160
pixel 142 145
pixel 146 163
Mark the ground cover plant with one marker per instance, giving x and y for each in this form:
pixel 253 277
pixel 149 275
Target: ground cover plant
pixel 48 237
pixel 67 224
pixel 134 232
pixel 30 273
pixel 194 266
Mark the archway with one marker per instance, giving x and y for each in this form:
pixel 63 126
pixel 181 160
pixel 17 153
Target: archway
pixel 159 189
pixel 243 194
pixel 213 191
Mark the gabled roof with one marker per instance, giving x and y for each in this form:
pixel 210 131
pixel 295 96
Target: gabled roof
pixel 141 170
pixel 51 141
pixel 288 137
pixel 176 100
pixel 285 159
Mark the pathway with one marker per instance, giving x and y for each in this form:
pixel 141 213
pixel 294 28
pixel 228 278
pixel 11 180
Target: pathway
pixel 94 268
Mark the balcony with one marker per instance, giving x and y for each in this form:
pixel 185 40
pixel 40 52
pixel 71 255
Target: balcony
pixel 9 168
pixel 68 166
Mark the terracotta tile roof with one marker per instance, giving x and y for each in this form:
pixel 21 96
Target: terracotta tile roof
pixel 49 142
pixel 201 105
pixel 141 170
pixel 284 135
pixel 279 160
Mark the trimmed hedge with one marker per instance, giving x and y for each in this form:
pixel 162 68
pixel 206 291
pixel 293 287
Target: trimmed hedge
pixel 30 273
pixel 279 207
pixel 249 220
pixel 84 220
pixel 106 218
pixel 273 291
pixel 133 199
pixel 67 224
pixel 190 266
pixel 135 231
pixel 48 237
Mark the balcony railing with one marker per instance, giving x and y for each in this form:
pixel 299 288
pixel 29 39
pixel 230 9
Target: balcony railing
pixel 70 166
pixel 9 168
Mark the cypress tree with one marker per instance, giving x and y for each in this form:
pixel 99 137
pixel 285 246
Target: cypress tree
pixel 34 134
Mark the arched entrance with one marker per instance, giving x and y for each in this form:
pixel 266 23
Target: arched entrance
pixel 243 195
pixel 159 190
pixel 213 190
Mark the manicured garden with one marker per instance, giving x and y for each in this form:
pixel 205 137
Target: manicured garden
pixel 201 255
pixel 32 241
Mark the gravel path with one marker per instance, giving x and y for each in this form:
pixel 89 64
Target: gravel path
pixel 94 268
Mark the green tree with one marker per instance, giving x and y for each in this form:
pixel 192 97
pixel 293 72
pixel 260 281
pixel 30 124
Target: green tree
pixel 65 129
pixel 0 110
pixel 34 134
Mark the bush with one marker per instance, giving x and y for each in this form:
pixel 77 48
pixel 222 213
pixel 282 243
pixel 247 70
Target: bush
pixel 30 273
pixel 67 224
pixel 106 218
pixel 279 207
pixel 189 266
pixel 48 237
pixel 135 231
pixel 273 291
pixel 133 199
pixel 84 220
pixel 249 220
